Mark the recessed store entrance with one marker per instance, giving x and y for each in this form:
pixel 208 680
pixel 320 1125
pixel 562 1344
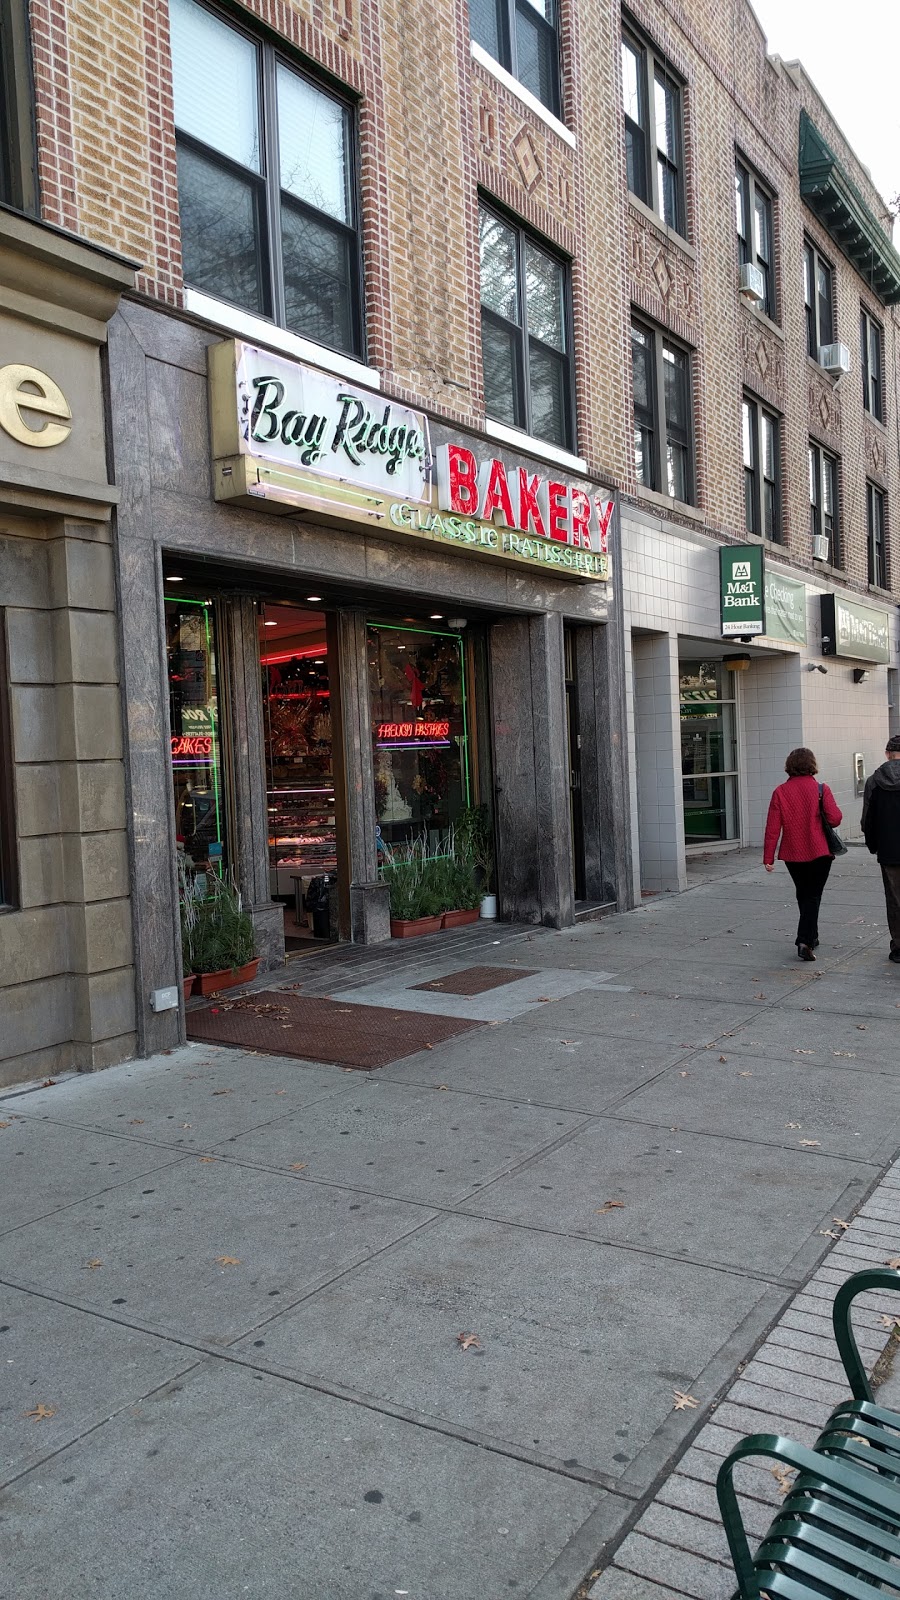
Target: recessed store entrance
pixel 304 868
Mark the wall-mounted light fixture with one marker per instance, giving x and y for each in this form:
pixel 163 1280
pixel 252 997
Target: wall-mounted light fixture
pixel 860 675
pixel 736 663
pixel 815 666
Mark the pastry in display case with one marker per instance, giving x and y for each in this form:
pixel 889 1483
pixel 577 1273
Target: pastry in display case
pixel 301 835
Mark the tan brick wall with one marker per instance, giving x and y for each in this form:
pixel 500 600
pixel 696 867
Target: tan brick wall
pixel 434 129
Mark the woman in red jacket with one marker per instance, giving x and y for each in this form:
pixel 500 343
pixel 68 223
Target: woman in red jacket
pixel 794 815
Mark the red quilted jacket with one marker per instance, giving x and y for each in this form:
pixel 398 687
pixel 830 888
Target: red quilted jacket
pixel 794 814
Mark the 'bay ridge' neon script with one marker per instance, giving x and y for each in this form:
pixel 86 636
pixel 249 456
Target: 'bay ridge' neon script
pixel 524 502
pixel 357 431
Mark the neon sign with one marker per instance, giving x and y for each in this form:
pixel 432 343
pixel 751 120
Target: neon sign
pixel 413 730
pixel 192 744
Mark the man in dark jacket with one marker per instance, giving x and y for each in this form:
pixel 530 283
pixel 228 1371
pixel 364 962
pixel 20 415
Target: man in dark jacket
pixel 881 826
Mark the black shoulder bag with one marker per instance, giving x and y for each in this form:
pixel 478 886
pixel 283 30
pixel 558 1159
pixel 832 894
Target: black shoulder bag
pixel 832 838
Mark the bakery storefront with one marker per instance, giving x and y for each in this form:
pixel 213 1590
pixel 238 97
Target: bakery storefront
pixel 369 623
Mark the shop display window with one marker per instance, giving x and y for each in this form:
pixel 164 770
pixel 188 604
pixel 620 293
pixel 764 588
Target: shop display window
pixel 708 752
pixel 299 774
pixel 419 733
pixel 195 736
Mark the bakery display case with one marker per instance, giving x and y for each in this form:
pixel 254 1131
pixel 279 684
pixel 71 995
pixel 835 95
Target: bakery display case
pixel 301 833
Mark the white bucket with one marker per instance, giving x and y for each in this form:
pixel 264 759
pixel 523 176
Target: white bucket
pixel 489 907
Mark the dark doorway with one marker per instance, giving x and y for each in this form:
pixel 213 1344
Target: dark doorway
pixel 573 731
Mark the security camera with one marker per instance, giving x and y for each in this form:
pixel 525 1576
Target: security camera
pixel 820 668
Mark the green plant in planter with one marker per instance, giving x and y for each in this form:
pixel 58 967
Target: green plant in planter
pixel 473 841
pixel 404 880
pixel 221 936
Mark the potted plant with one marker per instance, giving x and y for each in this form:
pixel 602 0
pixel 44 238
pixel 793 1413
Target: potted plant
pixel 220 942
pixel 414 904
pixel 461 891
pixel 475 837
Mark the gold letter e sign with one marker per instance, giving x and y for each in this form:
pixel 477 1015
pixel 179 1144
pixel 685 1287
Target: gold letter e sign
pixel 42 395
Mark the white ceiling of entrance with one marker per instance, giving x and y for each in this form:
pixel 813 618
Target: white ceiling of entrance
pixel 291 627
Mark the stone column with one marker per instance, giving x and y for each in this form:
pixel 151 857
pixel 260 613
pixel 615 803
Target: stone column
pixel 660 796
pixel 603 765
pixel 250 827
pixel 363 901
pixel 531 770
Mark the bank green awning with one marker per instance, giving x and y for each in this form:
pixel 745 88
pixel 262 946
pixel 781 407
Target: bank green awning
pixel 839 206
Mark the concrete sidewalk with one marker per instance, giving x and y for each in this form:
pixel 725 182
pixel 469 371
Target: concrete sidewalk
pixel 237 1283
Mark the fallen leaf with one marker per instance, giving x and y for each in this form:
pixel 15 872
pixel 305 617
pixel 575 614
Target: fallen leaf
pixel 429 1047
pixel 862 1027
pixel 745 1074
pixel 40 1413
pixel 208 1158
pixel 221 1091
pixel 809 1144
pixel 848 1053
pixel 5 1124
pixel 890 1322
pixel 682 1074
pixel 803 1052
pixel 784 1478
pixel 48 1083
pixel 299 1166
pixel 93 1263
pixel 684 1402
pixel 611 1205
pixel 136 1122
pixel 228 1261
pixel 281 1091
pixel 468 1341
pixel 793 1124
pixel 442 1086
pixel 544 1000
pixel 893 1261
pixel 723 1058
pixel 841 1223
pixel 829 1233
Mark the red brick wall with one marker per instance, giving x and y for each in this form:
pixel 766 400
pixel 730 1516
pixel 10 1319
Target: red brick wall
pixel 435 128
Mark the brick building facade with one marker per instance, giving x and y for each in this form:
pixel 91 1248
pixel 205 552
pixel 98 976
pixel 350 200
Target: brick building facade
pixel 602 338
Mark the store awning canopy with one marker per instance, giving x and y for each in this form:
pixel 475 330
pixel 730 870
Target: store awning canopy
pixel 839 206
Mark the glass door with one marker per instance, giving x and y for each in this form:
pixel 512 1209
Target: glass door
pixel 708 752
pixel 574 746
pixel 195 734
pixel 419 733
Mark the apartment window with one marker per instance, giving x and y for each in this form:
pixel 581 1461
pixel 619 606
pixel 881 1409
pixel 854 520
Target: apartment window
pixel 523 35
pixel 18 165
pixel 871 339
pixel 265 181
pixel 875 519
pixel 823 502
pixel 753 205
pixel 652 99
pixel 818 299
pixel 762 478
pixel 525 342
pixel 662 413
pixel 8 860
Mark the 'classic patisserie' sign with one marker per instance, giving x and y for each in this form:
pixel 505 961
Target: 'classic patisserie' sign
pixel 289 437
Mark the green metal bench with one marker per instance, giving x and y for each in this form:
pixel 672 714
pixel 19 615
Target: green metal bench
pixel 837 1535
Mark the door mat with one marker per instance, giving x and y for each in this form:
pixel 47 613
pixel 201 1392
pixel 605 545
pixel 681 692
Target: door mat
pixel 280 1023
pixel 475 980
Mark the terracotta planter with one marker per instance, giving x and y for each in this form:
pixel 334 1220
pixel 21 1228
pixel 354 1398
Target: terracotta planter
pixel 411 927
pixel 459 919
pixel 187 984
pixel 211 982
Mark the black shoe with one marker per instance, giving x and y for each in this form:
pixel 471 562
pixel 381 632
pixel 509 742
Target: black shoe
pixel 894 956
pixel 805 953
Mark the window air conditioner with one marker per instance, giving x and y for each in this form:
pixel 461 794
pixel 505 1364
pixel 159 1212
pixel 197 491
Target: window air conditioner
pixel 834 357
pixel 821 542
pixel 752 286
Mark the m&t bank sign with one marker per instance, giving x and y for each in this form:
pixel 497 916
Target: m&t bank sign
pixel 742 590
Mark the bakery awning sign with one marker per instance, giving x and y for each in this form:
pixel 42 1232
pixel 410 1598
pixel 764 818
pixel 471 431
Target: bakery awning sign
pixel 289 438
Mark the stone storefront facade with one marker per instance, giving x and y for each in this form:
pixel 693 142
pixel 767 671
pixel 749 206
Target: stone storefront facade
pixel 66 968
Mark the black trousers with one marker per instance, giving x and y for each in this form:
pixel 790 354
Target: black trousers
pixel 810 878
pixel 891 876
